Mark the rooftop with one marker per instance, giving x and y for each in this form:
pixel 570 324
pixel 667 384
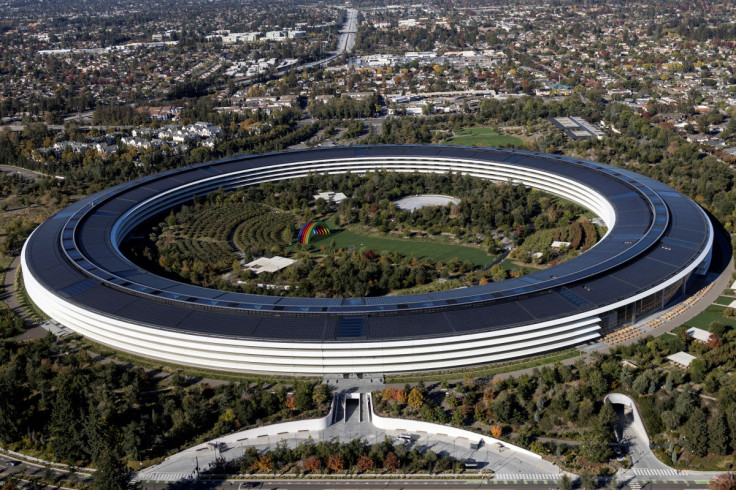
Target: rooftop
pixel 266 264
pixel 699 334
pixel 682 358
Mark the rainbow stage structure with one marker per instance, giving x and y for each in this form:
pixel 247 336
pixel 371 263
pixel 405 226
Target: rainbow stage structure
pixel 310 229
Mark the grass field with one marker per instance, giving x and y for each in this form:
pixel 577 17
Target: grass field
pixel 724 300
pixel 483 137
pixel 711 314
pixel 512 265
pixel 420 249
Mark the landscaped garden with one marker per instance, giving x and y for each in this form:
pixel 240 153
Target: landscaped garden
pixel 483 137
pixel 365 245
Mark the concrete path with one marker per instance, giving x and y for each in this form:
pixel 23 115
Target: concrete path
pixel 644 464
pixel 33 330
pixel 353 420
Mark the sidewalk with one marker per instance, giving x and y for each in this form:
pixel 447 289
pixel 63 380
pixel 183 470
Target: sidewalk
pixel 43 463
pixel 34 331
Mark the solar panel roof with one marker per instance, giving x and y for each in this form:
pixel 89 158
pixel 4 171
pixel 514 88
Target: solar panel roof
pixel 657 232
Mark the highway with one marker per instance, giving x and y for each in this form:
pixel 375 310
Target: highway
pixel 348 32
pixel 345 42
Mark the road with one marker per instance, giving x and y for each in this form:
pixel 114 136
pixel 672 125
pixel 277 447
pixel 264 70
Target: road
pixel 23 172
pixel 345 42
pixel 348 32
pixel 18 127
pixel 34 470
pixel 638 449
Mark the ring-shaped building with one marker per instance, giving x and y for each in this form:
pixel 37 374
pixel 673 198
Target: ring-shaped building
pixel 657 240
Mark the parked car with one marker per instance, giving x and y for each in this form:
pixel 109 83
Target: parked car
pixel 249 484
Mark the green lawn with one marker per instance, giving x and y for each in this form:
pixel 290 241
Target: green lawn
pixel 711 314
pixel 408 247
pixel 511 265
pixel 483 137
pixel 724 300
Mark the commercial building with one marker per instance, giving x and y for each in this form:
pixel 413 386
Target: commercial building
pixel 657 242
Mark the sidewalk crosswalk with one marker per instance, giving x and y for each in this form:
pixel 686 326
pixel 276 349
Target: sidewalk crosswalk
pixel 653 472
pixel 161 477
pixel 526 476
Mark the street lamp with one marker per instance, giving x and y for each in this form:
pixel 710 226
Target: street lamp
pixel 454 450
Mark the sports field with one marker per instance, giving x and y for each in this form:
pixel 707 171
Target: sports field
pixel 409 247
pixel 483 137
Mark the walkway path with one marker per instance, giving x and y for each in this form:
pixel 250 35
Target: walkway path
pixel 34 331
pixel 644 464
pixel 354 421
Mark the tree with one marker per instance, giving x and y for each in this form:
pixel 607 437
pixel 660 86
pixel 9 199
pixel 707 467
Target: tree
pixel 416 399
pixel 112 472
pixel 335 462
pixel 588 481
pixel 10 411
pixel 289 402
pixel 670 419
pixel 564 483
pixel 641 383
pixel 401 397
pixel 731 418
pixel 496 431
pixel 538 447
pixel 698 370
pixel 264 463
pixel 321 394
pixel 391 462
pixel 723 481
pixel 718 434
pixel 607 417
pixel 479 414
pixel 67 426
pixel 594 445
pixel 714 341
pixel 365 463
pixel 133 434
pixel 303 395
pixel 683 404
pixel 696 433
pixel 311 463
pixel 97 435
pixel 597 383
